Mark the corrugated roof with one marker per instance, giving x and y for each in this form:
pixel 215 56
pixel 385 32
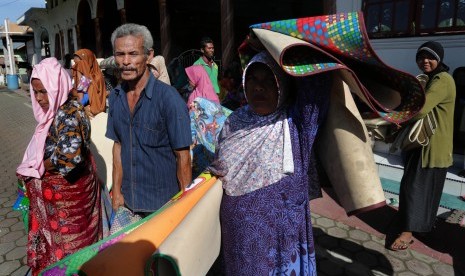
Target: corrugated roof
pixel 15 28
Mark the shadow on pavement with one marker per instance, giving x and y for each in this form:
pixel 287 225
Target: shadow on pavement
pixel 380 219
pixel 338 256
pixel 448 238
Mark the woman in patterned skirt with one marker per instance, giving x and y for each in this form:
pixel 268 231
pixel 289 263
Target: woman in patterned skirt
pixel 58 172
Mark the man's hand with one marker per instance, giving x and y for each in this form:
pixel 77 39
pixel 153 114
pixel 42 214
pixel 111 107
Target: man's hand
pixel 117 200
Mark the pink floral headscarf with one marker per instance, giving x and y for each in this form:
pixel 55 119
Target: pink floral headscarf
pixel 57 82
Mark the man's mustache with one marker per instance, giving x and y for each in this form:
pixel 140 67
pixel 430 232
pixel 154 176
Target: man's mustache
pixel 124 68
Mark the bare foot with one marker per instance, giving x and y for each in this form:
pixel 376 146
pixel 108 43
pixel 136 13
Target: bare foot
pixel 403 242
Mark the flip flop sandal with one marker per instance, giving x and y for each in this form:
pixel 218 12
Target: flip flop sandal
pixel 403 245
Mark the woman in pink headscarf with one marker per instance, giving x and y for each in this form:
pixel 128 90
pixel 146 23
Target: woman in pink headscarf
pixel 201 84
pixel 58 171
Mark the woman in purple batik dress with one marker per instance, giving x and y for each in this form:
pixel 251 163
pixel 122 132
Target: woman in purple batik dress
pixel 263 159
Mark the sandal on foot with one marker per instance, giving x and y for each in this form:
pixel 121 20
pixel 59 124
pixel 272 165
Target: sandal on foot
pixel 402 245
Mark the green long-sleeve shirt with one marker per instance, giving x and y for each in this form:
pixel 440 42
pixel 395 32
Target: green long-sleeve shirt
pixel 440 97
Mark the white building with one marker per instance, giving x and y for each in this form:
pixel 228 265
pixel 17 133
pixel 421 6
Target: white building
pixel 396 27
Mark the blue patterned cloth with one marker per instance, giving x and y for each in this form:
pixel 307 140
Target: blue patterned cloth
pixel 207 119
pixel 122 218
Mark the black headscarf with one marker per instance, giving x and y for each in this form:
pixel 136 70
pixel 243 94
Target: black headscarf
pixel 434 48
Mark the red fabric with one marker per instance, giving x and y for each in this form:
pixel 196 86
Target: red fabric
pixel 63 217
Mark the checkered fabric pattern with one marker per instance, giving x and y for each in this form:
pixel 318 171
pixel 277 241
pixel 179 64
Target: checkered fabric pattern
pixel 340 41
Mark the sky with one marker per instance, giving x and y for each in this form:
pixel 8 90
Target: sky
pixel 13 9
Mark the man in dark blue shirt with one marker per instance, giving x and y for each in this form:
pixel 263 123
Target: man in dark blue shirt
pixel 149 122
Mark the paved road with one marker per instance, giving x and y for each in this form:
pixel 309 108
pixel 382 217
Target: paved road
pixel 16 127
pixel 341 249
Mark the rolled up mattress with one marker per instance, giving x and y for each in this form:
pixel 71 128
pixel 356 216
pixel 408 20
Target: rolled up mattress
pixel 185 231
pixel 344 149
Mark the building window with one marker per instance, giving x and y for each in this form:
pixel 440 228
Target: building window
pixel 396 18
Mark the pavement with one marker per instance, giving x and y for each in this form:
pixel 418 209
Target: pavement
pixel 17 124
pixel 356 245
pixel 345 245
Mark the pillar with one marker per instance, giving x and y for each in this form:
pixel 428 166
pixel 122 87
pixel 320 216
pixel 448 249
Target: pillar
pixel 78 37
pixel 37 57
pixel 227 32
pixel 165 34
pixel 52 44
pixel 122 16
pixel 66 39
pixel 98 38
pixel 62 43
pixel 75 39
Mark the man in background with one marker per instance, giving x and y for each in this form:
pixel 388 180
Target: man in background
pixel 206 60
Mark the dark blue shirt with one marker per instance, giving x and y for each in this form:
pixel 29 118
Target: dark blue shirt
pixel 159 125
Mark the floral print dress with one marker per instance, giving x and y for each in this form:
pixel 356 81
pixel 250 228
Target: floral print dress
pixel 65 206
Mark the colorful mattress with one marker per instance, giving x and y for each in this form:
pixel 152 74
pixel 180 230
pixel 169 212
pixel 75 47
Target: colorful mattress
pixel 169 239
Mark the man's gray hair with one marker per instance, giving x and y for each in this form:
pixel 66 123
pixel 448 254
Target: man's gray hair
pixel 134 30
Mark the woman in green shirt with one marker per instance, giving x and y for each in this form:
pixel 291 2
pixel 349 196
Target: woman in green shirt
pixel 426 167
